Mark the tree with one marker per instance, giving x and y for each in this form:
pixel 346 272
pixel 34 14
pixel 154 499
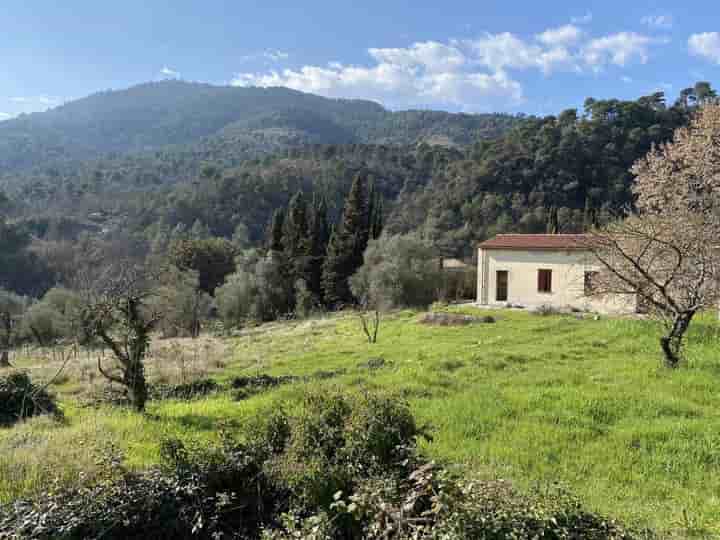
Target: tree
pixel 274 235
pixel 398 271
pixel 183 305
pixel 319 238
pixel 11 309
pixel 211 258
pixel 667 251
pixel 347 245
pixel 117 313
pixel 296 240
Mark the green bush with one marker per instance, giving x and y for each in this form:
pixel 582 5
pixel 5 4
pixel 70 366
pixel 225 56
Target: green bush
pixel 20 399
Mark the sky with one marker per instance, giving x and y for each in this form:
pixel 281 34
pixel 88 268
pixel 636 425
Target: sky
pixel 471 55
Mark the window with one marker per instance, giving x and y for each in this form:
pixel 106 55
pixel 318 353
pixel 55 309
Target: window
pixel 545 281
pixel 590 283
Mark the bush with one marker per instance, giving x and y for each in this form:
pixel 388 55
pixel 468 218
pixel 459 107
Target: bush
pixel 336 439
pixel 20 399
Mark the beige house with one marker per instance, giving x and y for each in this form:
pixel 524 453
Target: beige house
pixel 532 270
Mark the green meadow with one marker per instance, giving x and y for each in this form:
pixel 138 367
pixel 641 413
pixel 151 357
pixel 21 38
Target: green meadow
pixel 538 400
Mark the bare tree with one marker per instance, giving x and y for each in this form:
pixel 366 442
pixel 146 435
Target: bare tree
pixel 667 251
pixel 118 314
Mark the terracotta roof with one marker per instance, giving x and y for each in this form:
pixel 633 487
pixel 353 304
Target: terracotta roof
pixel 536 241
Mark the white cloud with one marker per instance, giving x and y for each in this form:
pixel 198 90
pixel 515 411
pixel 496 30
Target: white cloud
pixel 583 19
pixel 5 116
pixel 706 45
pixel 619 49
pixel 422 74
pixel 169 73
pixel 470 74
pixel 562 36
pixel 662 22
pixel 626 79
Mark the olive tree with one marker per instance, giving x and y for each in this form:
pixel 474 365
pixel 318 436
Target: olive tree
pixel 118 314
pixel 397 271
pixel 11 310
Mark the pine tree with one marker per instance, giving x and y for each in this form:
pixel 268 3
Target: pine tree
pixel 274 235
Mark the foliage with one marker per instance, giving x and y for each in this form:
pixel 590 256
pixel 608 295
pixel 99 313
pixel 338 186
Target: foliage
pixel 398 271
pixel 58 315
pixel 20 398
pixel 182 305
pixel 211 258
pixel 12 307
pixel 257 291
pixel 347 245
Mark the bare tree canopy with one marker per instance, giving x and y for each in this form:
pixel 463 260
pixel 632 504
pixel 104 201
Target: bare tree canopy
pixel 668 250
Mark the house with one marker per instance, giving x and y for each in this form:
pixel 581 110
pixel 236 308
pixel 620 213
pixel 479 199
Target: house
pixel 533 270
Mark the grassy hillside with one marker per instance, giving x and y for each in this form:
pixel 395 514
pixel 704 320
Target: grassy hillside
pixel 533 399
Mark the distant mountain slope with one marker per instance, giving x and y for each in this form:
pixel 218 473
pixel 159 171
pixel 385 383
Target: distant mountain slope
pixel 241 121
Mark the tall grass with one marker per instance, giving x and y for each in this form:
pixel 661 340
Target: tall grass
pixel 536 400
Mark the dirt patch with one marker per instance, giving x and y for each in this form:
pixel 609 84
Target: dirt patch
pixel 454 319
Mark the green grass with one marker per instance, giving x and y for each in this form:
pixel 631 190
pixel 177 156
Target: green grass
pixel 533 399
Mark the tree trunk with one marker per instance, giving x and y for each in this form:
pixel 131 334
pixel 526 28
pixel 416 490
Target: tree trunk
pixel 672 343
pixel 136 385
pixel 5 359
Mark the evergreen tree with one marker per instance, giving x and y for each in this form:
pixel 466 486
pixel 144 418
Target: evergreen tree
pixel 347 245
pixel 274 235
pixel 376 218
pixel 319 238
pixel 336 289
pixel 296 240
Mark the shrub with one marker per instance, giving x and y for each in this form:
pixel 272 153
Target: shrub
pixel 20 399
pixel 336 439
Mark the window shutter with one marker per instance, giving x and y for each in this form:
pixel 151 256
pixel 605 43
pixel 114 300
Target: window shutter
pixel 540 281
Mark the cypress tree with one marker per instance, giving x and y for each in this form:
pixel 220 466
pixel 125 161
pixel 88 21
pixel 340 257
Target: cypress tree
pixel 274 235
pixel 296 241
pixel 319 239
pixel 376 218
pixel 347 245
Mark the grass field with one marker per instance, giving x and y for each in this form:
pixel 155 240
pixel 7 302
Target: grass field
pixel 537 400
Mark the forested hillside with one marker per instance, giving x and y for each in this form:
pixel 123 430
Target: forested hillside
pixel 557 173
pixel 222 123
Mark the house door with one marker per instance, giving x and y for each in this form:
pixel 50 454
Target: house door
pixel 501 286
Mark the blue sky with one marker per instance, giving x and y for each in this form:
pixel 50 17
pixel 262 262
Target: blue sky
pixel 535 57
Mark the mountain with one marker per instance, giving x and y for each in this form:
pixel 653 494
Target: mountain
pixel 220 122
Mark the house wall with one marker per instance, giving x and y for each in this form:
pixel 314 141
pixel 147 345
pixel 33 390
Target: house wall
pixel 568 280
